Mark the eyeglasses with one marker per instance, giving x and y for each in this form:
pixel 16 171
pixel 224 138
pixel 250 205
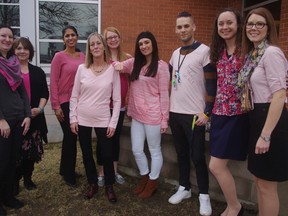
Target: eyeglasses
pixel 258 25
pixel 115 37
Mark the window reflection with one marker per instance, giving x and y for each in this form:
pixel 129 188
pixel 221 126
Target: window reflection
pixel 54 16
pixel 48 50
pixel 9 15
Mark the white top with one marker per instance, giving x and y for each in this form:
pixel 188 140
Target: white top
pixel 189 95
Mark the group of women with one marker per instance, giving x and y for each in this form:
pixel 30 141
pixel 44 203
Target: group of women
pixel 88 92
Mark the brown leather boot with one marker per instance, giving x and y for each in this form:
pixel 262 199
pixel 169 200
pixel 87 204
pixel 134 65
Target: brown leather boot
pixel 141 185
pixel 150 188
pixel 110 193
pixel 92 189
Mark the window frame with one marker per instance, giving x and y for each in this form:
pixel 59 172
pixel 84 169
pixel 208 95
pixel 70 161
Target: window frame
pixel 38 40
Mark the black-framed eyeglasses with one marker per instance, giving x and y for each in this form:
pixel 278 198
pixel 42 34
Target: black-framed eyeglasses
pixel 258 25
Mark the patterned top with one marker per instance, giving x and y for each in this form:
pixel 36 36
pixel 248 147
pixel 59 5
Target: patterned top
pixel 227 100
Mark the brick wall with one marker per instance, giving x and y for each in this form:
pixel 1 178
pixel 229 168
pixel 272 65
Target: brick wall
pixel 283 34
pixel 158 16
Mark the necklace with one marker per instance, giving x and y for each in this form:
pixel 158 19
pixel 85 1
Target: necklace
pixel 98 69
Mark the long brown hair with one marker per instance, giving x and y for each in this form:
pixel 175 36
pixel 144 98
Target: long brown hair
pixel 272 37
pixel 218 43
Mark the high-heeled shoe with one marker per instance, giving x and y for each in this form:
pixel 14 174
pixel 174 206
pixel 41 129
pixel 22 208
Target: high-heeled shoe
pixel 241 212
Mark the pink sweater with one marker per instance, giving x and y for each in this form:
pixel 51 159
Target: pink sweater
pixel 91 95
pixel 149 96
pixel 63 70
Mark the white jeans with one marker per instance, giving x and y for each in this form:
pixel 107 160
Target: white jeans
pixel 139 132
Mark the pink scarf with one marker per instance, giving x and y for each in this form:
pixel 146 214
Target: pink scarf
pixel 10 69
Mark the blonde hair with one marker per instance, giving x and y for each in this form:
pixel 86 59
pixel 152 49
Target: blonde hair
pixel 89 56
pixel 121 56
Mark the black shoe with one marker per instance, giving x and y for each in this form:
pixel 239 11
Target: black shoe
pixel 13 203
pixel 16 188
pixel 70 183
pixel 241 212
pixel 29 184
pixel 2 211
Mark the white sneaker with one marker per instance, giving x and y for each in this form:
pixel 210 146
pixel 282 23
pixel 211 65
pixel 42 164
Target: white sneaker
pixel 101 181
pixel 180 195
pixel 205 205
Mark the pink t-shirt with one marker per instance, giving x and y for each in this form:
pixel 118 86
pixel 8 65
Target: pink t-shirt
pixel 26 79
pixel 149 96
pixel 91 95
pixel 270 75
pixel 63 70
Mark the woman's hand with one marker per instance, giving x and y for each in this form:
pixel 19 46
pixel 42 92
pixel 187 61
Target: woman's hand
pixel 163 130
pixel 59 114
pixel 262 146
pixel 201 120
pixel 74 128
pixel 26 124
pixel 35 112
pixel 110 132
pixel 4 128
pixel 118 67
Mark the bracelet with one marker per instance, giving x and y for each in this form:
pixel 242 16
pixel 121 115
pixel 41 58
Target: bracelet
pixel 265 138
pixel 41 109
pixel 205 116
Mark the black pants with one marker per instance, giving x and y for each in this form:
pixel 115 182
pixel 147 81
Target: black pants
pixel 115 140
pixel 69 148
pixel 105 152
pixel 25 169
pixel 190 145
pixel 10 150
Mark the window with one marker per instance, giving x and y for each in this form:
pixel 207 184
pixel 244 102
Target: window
pixel 55 15
pixel 9 14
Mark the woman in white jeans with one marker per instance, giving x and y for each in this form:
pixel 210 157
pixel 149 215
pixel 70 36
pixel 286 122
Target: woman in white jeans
pixel 149 108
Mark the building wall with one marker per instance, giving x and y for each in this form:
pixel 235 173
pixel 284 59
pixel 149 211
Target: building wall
pixel 131 17
pixel 283 35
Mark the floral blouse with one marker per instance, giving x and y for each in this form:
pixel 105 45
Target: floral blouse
pixel 227 100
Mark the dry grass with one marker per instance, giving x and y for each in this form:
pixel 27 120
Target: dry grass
pixel 54 197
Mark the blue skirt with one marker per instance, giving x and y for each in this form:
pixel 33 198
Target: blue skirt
pixel 229 137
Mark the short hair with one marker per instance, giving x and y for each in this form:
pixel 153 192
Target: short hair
pixel 26 44
pixel 89 57
pixel 184 14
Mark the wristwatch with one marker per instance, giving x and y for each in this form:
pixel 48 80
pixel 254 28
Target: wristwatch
pixel 265 138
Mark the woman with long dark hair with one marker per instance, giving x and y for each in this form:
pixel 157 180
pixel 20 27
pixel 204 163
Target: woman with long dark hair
pixel 149 108
pixel 229 124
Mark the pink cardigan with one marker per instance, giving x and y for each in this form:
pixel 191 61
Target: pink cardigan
pixel 149 96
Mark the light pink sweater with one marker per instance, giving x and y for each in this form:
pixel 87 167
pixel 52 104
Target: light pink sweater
pixel 149 96
pixel 91 96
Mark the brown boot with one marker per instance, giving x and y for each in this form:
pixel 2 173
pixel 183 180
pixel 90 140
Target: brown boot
pixel 141 185
pixel 92 189
pixel 150 188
